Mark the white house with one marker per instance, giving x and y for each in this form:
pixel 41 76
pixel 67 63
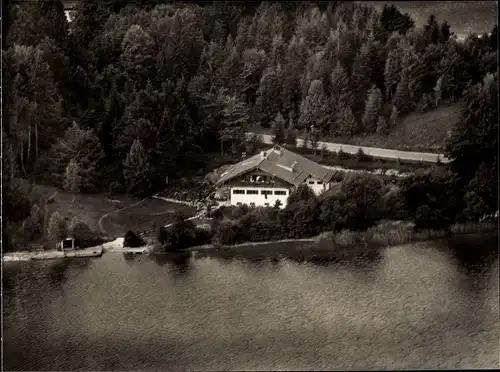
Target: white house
pixel 272 175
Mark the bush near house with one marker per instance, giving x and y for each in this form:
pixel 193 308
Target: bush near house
pixel 133 240
pixel 429 200
pixel 182 234
pixel 84 236
pixel 360 203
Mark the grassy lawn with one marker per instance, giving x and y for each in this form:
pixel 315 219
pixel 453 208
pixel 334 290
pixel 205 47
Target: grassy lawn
pixel 123 213
pixel 88 208
pixel 146 215
pixel 426 132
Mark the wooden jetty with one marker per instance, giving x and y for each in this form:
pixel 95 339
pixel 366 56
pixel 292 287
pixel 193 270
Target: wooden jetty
pixel 128 250
pixel 138 250
pixel 53 254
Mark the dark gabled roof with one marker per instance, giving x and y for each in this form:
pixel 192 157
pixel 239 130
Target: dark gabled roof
pixel 278 161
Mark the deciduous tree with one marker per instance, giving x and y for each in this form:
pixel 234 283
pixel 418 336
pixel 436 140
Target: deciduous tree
pixel 474 138
pixel 57 228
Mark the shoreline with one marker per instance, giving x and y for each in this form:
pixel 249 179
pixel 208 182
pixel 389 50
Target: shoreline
pixel 116 246
pixel 52 254
pixel 432 235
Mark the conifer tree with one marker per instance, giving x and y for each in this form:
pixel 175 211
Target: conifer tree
pixel 234 121
pixel 295 60
pixel 314 108
pixel 392 72
pixel 402 95
pixel 381 125
pixel 136 170
pixel 340 92
pixel 393 119
pixel 291 133
pixel 372 110
pixel 367 70
pixel 269 94
pixel 438 90
pixel 278 129
pixel 72 179
pixel 346 122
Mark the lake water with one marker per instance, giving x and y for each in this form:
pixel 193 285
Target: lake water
pixel 426 305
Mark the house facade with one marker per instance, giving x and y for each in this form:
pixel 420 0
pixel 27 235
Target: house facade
pixel 272 175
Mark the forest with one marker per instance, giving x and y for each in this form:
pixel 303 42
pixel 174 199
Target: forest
pixel 129 93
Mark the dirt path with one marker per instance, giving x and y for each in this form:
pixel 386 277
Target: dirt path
pixel 168 200
pixel 118 242
pixel 103 231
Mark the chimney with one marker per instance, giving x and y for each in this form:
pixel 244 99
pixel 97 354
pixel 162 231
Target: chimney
pixel 263 155
pixel 292 167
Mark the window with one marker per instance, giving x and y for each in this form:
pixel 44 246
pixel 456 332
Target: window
pixel 238 203
pixel 238 192
pixel 319 182
pixel 311 182
pixel 280 193
pixel 266 204
pixel 252 192
pixel 266 192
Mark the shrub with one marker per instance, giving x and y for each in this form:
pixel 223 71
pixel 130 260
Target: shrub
pixel 301 193
pixel 73 223
pixel 84 236
pixel 365 192
pixel 239 211
pixel 132 240
pixel 227 233
pixel 301 219
pixel 202 236
pixel 183 234
pixel 341 155
pixel 393 205
pixel 116 188
pixel 426 103
pixel 30 229
pixel 360 155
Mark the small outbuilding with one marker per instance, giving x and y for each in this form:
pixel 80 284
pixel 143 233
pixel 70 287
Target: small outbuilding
pixel 67 244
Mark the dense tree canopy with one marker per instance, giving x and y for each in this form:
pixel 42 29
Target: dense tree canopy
pixel 173 81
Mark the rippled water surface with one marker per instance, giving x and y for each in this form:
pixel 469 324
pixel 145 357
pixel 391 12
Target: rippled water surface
pixel 429 305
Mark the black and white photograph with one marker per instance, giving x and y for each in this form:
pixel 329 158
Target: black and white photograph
pixel 249 185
